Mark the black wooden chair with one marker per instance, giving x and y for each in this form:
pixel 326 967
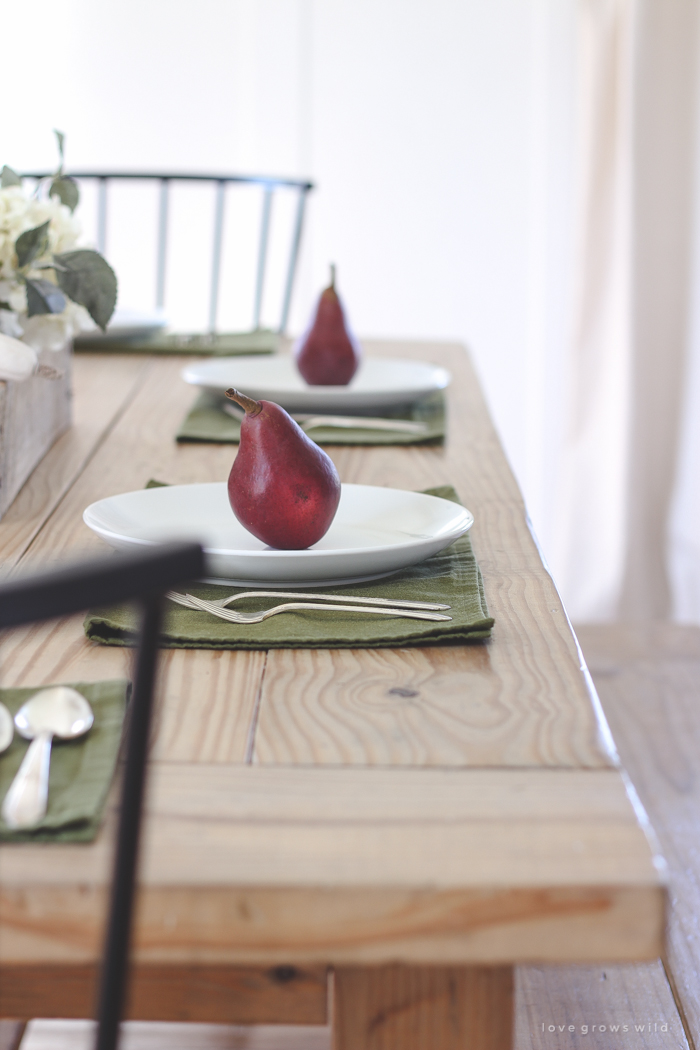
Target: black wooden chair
pixel 268 185
pixel 144 577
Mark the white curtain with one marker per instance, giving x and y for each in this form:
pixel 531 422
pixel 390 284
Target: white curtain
pixel 630 333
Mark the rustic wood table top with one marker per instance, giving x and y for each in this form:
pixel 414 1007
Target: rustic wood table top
pixel 422 812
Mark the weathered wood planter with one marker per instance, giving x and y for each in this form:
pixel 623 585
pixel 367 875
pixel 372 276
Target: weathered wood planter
pixel 33 415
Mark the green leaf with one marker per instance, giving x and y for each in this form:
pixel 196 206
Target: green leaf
pixel 9 178
pixel 43 297
pixel 88 279
pixel 66 189
pixel 60 139
pixel 32 244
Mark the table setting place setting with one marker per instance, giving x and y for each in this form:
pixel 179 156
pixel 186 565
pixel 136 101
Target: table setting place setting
pixel 338 398
pixel 294 558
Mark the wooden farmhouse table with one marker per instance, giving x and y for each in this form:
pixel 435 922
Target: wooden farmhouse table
pixel 413 822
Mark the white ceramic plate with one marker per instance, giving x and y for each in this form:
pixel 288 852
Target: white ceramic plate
pixel 378 383
pixel 376 531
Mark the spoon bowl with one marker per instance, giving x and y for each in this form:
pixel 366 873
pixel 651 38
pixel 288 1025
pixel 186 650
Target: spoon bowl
pixel 59 711
pixel 6 728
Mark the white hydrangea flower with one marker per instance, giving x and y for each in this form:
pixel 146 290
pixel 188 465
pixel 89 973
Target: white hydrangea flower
pixel 17 214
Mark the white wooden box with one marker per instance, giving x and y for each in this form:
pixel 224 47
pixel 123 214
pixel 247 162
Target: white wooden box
pixel 33 415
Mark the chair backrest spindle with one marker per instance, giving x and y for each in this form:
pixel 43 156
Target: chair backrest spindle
pixel 162 242
pixel 216 256
pixel 114 975
pixel 102 214
pixel 294 255
pixel 262 254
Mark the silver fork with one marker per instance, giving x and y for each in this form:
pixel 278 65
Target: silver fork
pixel 398 603
pixel 235 617
pixel 310 422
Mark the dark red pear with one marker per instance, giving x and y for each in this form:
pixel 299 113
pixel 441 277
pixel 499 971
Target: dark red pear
pixel 282 487
pixel 328 353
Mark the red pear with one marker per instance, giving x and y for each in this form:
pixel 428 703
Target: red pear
pixel 328 353
pixel 282 487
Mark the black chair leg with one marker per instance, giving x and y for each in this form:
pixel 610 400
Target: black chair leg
pixel 113 980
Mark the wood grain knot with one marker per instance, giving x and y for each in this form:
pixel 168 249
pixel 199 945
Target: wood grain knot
pixel 284 974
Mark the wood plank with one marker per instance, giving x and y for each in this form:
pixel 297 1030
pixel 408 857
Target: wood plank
pixel 145 1035
pixel 429 1008
pixel 217 728
pixel 423 706
pixel 221 994
pixel 266 925
pixel 396 795
pixel 338 804
pixel 357 866
pixel 608 1007
pixel 648 676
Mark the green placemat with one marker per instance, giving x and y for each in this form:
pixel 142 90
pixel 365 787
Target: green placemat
pixel 222 344
pixel 81 770
pixel 207 422
pixel 452 577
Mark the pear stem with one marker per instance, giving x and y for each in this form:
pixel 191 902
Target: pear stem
pixel 252 407
pixel 332 284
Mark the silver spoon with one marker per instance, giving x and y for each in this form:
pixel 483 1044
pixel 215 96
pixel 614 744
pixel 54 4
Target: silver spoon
pixel 61 712
pixel 7 730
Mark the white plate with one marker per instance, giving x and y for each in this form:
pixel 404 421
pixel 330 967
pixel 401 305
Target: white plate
pixel 378 383
pixel 376 531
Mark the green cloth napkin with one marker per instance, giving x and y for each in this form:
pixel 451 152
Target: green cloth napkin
pixel 81 770
pixel 221 344
pixel 206 421
pixel 452 577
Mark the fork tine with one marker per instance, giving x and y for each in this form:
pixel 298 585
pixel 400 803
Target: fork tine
pixel 180 599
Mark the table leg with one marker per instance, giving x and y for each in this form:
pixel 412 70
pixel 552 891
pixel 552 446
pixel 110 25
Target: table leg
pixel 423 1008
